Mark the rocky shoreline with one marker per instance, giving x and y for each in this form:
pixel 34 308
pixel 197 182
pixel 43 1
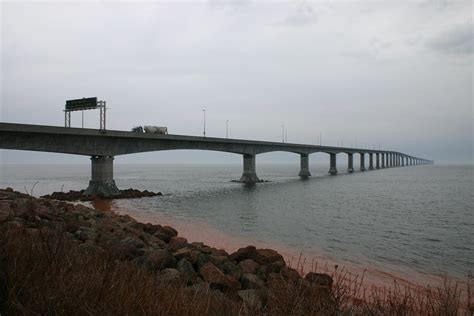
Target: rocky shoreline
pixel 80 196
pixel 244 275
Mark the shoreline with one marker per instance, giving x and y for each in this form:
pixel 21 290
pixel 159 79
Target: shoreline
pixel 47 235
pixel 200 231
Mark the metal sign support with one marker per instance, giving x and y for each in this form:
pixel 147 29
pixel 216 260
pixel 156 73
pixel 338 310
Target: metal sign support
pixel 101 105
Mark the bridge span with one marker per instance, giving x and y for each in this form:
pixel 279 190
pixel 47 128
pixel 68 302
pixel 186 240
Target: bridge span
pixel 103 145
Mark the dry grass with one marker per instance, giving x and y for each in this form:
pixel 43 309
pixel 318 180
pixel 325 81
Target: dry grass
pixel 42 271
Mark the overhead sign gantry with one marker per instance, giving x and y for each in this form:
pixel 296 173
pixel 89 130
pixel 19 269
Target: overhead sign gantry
pixel 82 105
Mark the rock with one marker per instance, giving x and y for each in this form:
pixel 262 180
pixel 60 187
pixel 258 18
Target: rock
pixel 250 298
pixel 169 275
pixel 320 279
pixel 162 236
pixel 186 268
pixel 150 228
pixel 215 277
pixel 182 253
pixel 232 269
pixel 170 231
pixel 202 260
pixel 218 260
pixel 80 196
pixel 248 266
pixel 275 266
pixel 267 256
pixel 219 252
pixel 207 249
pixel 161 259
pixel 251 281
pixel 193 257
pixel 248 252
pixel 133 242
pixel 177 243
pixel 290 274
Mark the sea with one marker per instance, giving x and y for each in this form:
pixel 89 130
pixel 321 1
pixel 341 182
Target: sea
pixel 412 223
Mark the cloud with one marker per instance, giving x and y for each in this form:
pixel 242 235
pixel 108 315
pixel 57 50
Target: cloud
pixel 302 16
pixel 456 41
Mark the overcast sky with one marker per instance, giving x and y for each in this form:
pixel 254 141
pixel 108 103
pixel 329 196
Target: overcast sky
pixel 392 73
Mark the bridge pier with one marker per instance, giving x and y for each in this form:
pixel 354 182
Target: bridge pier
pixel 362 162
pixel 383 160
pixel 332 167
pixel 102 177
pixel 371 161
pixel 350 162
pixel 377 161
pixel 304 166
pixel 403 161
pixel 249 175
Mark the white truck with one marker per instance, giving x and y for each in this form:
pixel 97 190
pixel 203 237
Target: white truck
pixel 151 129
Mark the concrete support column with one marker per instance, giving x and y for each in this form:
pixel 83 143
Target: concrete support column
pixel 371 161
pixel 350 162
pixel 377 161
pixel 249 175
pixel 403 161
pixel 102 177
pixel 304 166
pixel 383 160
pixel 362 162
pixel 390 159
pixel 332 166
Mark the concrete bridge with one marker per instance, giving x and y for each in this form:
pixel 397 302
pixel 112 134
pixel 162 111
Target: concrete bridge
pixel 102 146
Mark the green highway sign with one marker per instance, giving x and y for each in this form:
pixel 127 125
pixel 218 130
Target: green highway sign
pixel 81 104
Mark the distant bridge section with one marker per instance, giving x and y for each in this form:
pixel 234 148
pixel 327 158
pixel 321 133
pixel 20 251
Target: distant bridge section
pixel 102 146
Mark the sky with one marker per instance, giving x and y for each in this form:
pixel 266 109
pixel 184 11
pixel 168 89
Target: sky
pixel 394 74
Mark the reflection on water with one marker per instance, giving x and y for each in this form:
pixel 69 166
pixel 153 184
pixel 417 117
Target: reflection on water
pixel 104 205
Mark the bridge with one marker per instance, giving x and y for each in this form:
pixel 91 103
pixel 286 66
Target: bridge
pixel 102 146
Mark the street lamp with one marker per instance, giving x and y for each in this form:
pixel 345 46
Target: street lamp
pixel 204 112
pixel 227 129
pixel 283 133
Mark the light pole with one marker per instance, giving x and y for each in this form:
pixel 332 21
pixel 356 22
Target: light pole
pixel 227 129
pixel 204 112
pixel 282 133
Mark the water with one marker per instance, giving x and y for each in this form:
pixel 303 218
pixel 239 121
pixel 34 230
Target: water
pixel 396 220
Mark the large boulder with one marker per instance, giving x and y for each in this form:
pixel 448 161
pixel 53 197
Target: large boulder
pixel 186 268
pixel 248 252
pixel 251 281
pixel 267 256
pixel 215 277
pixel 248 266
pixel 230 268
pixel 260 256
pixel 177 243
pixel 161 259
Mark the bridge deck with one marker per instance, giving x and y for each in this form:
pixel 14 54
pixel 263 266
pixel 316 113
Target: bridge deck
pixel 90 142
